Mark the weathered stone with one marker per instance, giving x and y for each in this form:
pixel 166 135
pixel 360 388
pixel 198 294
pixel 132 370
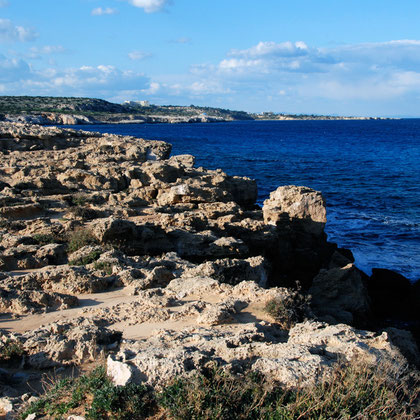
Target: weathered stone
pixel 67 342
pixel 120 373
pixel 220 313
pixel 301 205
pixel 340 294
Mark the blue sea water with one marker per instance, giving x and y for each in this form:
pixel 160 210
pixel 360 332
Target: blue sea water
pixel 368 171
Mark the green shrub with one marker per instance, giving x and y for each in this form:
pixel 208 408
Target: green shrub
pixel 44 239
pixel 96 395
pixel 350 392
pixel 215 395
pixel 104 266
pixel 80 238
pixel 87 259
pixel 85 213
pixel 289 310
pixel 11 350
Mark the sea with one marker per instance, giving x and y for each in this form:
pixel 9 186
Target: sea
pixel 367 170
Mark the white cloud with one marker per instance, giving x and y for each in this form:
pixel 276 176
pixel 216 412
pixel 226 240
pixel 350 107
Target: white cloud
pixel 99 11
pixel 139 55
pixel 11 32
pixel 150 6
pixel 39 52
pixel 4 3
pixel 48 49
pixel 153 88
pixel 264 49
pixel 181 40
pixel 207 88
pixel 371 78
pixel 105 81
pixel 13 70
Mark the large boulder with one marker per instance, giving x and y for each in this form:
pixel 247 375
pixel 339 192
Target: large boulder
pixel 302 206
pixel 340 295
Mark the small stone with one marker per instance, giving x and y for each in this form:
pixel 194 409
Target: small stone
pixel 6 405
pixel 120 373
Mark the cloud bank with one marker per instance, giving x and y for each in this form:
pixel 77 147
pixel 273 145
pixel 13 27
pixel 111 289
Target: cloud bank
pixel 104 81
pixel 9 32
pixel 99 11
pixel 371 78
pixel 139 55
pixel 361 79
pixel 150 6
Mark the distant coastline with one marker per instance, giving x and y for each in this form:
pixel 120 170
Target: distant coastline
pixel 79 111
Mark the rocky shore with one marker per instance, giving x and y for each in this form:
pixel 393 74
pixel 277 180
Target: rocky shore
pixel 113 250
pixel 78 111
pixel 54 118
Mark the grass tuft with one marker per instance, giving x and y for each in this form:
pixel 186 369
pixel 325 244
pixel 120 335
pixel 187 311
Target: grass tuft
pixel 11 350
pixel 95 396
pixel 44 239
pixel 80 238
pixel 289 310
pixel 87 259
pixel 105 266
pixel 350 392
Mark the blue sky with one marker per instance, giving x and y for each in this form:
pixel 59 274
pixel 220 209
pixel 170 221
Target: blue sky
pixel 303 56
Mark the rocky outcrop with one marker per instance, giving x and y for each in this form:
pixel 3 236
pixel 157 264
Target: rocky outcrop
pixel 64 342
pixel 312 349
pixel 177 259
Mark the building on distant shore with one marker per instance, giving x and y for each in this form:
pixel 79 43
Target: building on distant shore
pixel 136 103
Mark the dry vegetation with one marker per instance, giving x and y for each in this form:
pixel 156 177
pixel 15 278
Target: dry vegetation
pixel 353 391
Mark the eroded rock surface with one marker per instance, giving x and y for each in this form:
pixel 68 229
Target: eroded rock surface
pixel 178 260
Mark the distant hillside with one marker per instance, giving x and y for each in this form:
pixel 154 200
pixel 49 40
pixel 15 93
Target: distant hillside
pixel 47 110
pixel 87 106
pixel 31 104
pixel 192 111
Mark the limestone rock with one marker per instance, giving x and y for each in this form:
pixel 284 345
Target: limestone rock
pixel 340 294
pixel 220 313
pixel 67 342
pixel 232 271
pixel 302 205
pixel 120 373
pixel 312 349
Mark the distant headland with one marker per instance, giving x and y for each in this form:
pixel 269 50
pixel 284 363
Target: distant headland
pixel 46 110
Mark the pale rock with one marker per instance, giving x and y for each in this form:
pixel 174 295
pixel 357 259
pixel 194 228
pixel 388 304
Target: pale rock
pixel 187 161
pixel 51 254
pixel 231 270
pixel 296 204
pixel 220 313
pixel 6 405
pixel 119 372
pixel 110 229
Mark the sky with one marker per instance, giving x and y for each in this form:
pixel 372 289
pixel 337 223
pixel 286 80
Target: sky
pixel 332 57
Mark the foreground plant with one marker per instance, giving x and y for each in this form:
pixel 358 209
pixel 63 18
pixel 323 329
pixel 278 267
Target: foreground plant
pixel 80 238
pixel 11 350
pixel 95 396
pixel 351 392
pixel 288 311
